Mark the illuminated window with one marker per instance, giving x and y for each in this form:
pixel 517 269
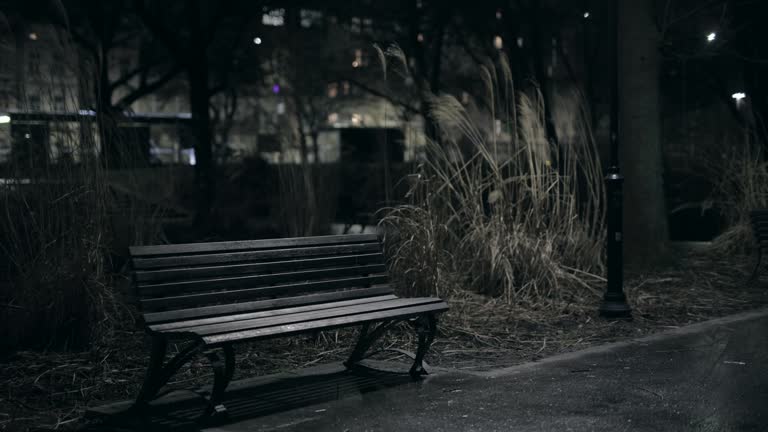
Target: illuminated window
pixel 273 17
pixel 310 18
pixel 356 119
pixel 359 61
pixel 498 43
pixel 333 90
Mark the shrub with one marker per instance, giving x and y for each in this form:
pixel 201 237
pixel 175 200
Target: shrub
pixel 508 213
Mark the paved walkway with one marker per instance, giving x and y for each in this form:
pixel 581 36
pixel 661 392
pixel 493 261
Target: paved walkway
pixel 711 376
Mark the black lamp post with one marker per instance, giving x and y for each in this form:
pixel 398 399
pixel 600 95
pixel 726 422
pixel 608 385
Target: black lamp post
pixel 614 301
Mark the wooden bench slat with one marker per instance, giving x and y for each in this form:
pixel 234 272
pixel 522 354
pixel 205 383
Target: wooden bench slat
pixel 324 324
pixel 177 325
pixel 258 280
pixel 179 274
pixel 254 293
pixel 239 257
pixel 226 309
pixel 232 246
pixel 398 303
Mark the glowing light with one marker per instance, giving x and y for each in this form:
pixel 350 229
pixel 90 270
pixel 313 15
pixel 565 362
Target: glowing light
pixel 520 41
pixel 586 14
pixel 711 37
pixel 257 40
pixel 33 36
pixel 355 64
pixel 5 119
pixel 276 88
pixel 420 37
pixel 498 42
pixel 498 14
pixel 739 96
pixel 27 136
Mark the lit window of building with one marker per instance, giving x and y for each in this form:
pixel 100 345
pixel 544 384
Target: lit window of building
pixel 498 43
pixel 273 17
pixel 359 61
pixel 310 18
pixel 333 90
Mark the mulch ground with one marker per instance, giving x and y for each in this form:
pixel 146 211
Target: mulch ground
pixel 52 390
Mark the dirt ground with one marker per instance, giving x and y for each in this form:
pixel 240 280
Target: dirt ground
pixel 52 390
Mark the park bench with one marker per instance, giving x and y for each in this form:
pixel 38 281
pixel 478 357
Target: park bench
pixel 215 295
pixel 759 219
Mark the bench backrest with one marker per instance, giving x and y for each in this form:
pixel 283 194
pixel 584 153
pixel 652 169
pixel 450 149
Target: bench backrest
pixel 188 281
pixel 759 219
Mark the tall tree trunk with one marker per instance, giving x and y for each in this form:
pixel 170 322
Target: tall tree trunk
pixel 198 97
pixel 199 101
pixel 645 216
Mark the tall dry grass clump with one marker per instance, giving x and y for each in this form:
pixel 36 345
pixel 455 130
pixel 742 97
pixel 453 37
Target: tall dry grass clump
pixel 55 233
pixel 54 236
pixel 497 207
pixel 740 185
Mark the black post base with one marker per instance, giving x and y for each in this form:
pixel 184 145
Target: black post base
pixel 615 308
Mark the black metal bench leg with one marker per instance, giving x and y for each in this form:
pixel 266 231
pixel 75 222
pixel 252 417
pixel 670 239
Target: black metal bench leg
pixel 222 375
pixel 426 327
pixel 154 370
pixel 157 373
pixel 757 265
pixel 366 340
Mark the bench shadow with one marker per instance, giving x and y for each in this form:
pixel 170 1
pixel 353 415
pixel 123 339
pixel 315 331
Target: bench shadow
pixel 248 399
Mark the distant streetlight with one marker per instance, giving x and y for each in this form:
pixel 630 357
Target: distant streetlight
pixel 586 14
pixel 739 96
pixel 5 119
pixel 257 40
pixel 355 64
pixel 711 37
pixel 33 36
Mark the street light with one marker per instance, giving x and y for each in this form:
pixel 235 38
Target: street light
pixel 614 301
pixel 711 37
